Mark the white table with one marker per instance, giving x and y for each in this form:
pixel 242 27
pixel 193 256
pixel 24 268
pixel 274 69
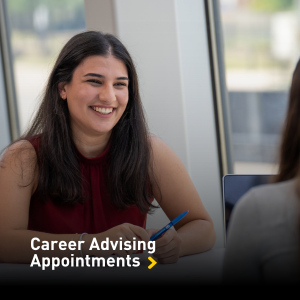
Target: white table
pixel 200 269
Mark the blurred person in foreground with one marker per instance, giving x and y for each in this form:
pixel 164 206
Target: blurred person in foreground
pixel 263 235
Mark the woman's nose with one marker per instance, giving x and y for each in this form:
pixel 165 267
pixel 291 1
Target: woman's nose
pixel 107 94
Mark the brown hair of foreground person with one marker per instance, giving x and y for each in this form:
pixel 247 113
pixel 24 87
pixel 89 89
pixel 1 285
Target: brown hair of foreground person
pixel 289 155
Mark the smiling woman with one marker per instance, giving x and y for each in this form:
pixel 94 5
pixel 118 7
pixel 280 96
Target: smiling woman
pixel 88 164
pixel 101 98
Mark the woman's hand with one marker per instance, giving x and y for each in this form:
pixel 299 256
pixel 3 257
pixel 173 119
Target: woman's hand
pixel 167 247
pixel 127 232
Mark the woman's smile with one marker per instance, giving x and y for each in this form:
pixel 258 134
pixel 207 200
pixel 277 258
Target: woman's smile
pixel 103 112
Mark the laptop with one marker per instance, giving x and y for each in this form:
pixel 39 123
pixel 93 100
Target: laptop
pixel 235 186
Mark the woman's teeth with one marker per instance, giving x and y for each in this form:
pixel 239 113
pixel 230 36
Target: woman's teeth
pixel 101 110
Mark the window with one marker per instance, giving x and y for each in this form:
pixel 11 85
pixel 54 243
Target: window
pixel 261 41
pixel 38 30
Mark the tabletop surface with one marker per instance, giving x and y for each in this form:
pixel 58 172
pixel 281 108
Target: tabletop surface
pixel 204 268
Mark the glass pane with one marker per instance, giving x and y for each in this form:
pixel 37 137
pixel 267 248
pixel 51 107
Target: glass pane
pixel 39 29
pixel 261 41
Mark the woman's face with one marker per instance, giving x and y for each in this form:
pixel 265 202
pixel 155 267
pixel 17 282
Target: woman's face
pixel 97 95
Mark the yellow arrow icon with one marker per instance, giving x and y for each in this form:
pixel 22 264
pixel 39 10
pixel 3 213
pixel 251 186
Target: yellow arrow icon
pixel 153 262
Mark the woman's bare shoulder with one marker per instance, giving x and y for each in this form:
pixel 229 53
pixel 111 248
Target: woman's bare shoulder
pixel 158 145
pixel 19 152
pixel 19 160
pixel 162 153
pixel 18 181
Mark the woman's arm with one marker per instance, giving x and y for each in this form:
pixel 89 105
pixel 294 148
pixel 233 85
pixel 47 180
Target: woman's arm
pixel 176 194
pixel 18 181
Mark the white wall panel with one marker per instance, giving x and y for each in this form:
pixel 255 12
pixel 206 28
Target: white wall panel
pixel 198 102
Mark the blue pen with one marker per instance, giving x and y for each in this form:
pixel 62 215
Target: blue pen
pixel 167 227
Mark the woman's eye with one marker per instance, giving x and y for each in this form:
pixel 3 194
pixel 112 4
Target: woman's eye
pixel 120 84
pixel 94 81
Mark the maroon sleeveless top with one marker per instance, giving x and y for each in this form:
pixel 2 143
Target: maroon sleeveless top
pixel 94 215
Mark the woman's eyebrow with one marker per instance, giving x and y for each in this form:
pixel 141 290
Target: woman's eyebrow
pixel 101 76
pixel 94 75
